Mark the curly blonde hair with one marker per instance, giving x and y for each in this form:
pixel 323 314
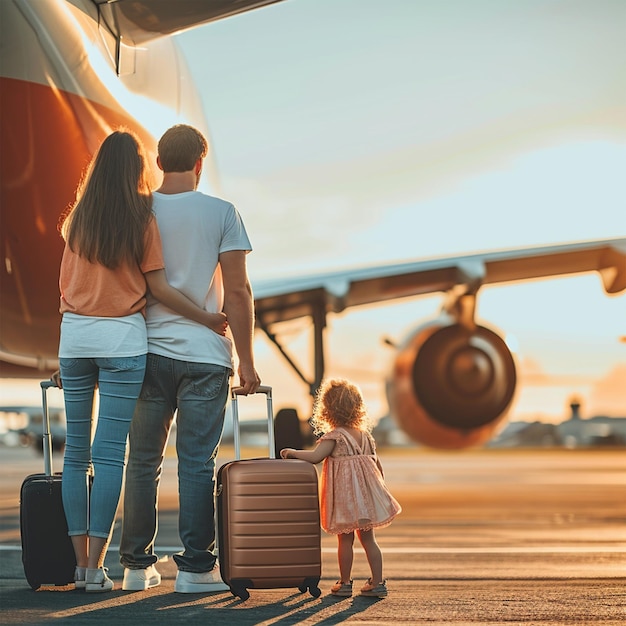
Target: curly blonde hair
pixel 339 403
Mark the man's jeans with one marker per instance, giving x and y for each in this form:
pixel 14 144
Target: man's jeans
pixel 119 380
pixel 199 391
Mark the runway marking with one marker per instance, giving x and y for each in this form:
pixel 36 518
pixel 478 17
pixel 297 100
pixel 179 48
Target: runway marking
pixel 430 550
pixel 498 550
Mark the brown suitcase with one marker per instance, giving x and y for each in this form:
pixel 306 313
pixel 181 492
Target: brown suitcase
pixel 268 519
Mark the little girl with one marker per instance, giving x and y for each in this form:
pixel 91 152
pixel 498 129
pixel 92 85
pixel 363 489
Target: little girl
pixel 353 493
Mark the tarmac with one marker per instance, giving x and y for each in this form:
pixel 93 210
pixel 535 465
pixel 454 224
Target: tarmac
pixel 485 537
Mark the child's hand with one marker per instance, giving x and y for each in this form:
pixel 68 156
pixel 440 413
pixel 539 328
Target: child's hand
pixel 284 453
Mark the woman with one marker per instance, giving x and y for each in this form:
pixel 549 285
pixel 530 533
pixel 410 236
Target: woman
pixel 112 254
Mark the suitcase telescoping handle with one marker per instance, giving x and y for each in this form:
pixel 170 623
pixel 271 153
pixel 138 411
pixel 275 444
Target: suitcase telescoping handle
pixel 238 391
pixel 47 436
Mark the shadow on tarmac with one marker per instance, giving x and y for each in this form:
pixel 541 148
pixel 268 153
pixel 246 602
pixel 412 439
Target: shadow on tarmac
pixel 65 605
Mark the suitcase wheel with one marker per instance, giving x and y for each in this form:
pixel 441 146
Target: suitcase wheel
pixel 312 587
pixel 239 591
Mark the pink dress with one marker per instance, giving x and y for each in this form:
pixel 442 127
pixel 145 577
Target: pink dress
pixel 354 494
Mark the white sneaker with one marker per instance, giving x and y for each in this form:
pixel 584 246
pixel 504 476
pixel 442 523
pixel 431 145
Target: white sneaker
pixel 141 579
pixel 97 581
pixel 200 582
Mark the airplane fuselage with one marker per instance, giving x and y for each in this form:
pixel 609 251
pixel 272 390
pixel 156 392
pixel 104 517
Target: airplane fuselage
pixel 60 95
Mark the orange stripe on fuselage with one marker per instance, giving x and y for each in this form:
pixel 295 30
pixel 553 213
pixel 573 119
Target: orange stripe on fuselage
pixel 47 138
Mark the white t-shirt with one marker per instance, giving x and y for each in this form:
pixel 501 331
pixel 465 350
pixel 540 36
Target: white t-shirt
pixel 84 336
pixel 195 229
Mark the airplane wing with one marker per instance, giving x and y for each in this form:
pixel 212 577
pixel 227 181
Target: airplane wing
pixel 138 21
pixel 289 298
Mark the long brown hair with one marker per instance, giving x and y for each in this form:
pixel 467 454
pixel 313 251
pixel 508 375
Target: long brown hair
pixel 113 205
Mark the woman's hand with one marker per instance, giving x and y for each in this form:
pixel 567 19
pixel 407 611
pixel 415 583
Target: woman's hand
pixel 56 379
pixel 284 453
pixel 218 323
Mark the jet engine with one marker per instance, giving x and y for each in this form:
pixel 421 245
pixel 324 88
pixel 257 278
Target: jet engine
pixel 451 384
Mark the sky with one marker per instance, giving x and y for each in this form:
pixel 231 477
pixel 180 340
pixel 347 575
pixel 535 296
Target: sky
pixel 357 132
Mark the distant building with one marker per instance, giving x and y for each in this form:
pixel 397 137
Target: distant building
pixel 596 431
pixel 572 433
pixel 387 433
pixel 530 434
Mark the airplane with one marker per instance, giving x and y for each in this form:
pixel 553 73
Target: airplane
pixel 452 380
pixel 73 70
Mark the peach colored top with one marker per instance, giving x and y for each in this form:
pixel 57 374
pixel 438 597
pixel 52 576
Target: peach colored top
pixel 353 492
pixel 95 290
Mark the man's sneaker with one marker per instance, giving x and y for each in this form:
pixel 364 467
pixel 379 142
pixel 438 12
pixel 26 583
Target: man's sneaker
pixel 342 589
pixel 140 579
pixel 97 581
pixel 200 582
pixel 371 591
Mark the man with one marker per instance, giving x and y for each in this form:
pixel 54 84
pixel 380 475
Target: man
pixel 189 366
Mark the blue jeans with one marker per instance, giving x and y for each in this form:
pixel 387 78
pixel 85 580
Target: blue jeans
pixel 119 381
pixel 199 391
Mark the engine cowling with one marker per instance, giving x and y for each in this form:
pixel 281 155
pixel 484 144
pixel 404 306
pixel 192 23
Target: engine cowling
pixel 451 386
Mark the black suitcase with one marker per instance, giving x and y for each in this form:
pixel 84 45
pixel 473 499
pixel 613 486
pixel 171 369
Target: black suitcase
pixel 268 519
pixel 47 552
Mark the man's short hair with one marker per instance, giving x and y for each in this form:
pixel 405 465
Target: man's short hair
pixel 180 147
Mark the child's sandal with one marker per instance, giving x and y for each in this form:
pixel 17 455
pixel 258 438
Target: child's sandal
pixel 341 589
pixel 371 591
